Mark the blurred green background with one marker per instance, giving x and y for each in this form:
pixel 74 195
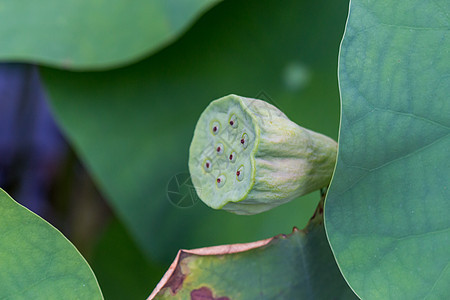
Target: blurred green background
pixel 131 127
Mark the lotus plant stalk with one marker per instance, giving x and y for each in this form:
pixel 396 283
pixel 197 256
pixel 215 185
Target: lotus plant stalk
pixel 247 157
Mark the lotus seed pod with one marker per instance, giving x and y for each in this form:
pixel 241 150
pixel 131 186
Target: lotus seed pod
pixel 247 157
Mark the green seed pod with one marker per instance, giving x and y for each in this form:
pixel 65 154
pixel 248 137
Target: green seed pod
pixel 247 157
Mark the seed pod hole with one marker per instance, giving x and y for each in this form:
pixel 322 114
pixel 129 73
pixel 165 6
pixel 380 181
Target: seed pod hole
pixel 233 121
pixel 220 181
pixel 232 157
pixel 244 140
pixel 215 127
pixel 207 165
pixel 240 173
pixel 219 149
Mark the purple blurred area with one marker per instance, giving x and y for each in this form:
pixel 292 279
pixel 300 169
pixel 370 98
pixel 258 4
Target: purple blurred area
pixel 31 146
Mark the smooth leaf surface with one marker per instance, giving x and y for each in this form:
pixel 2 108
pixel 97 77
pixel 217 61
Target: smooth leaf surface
pixel 387 210
pixel 297 266
pixel 91 34
pixel 37 261
pixel 133 126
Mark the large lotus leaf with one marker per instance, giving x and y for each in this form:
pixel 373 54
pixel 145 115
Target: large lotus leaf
pixel 91 34
pixel 387 210
pixel 297 266
pixel 133 126
pixel 37 261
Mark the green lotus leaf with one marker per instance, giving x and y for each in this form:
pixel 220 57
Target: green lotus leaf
pixel 37 261
pixel 295 266
pixel 387 209
pixel 91 34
